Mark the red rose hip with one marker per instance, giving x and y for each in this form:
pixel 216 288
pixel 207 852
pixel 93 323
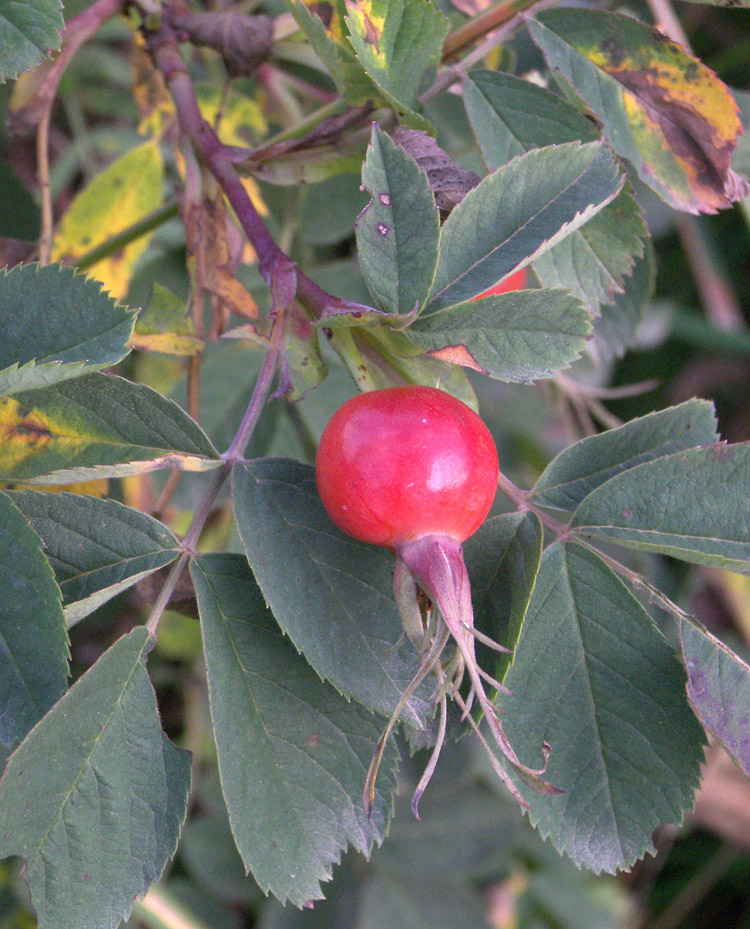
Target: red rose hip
pixel 398 464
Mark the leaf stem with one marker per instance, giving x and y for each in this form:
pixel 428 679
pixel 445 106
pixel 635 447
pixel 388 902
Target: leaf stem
pixel 141 227
pixel 522 500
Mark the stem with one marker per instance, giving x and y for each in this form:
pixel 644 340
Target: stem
pixel 42 162
pixel 521 498
pixel 139 228
pixel 479 26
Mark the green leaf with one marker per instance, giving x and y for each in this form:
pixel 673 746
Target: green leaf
pixel 397 41
pixel 94 798
pixel 347 73
pixel 587 464
pixel 519 211
pixel 332 596
pixel 97 548
pixel 293 753
pixel 660 108
pixel 126 192
pixel 718 690
pixel 690 505
pixel 391 900
pixel 503 560
pixel 33 640
pixel 29 29
pixel 76 328
pixel 97 426
pixel 594 677
pixel 510 116
pixel 397 233
pixel 595 261
pixel 615 327
pixel 519 336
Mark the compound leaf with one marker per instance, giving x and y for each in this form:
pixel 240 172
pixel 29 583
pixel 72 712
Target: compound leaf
pixel 718 690
pixel 691 505
pixel 594 677
pixel 615 327
pixel 97 548
pixel 397 233
pixel 662 109
pixel 587 464
pixel 108 795
pixel 97 426
pixel 29 29
pixel 516 213
pixel 519 336
pixel 293 753
pixel 33 640
pixel 56 325
pixel 332 596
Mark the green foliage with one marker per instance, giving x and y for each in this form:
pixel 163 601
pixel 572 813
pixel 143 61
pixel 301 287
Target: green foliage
pixel 29 29
pixel 255 308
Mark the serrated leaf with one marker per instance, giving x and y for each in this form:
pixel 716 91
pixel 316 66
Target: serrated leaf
pixel 718 689
pixel 594 677
pixel 397 233
pixel 510 116
pixel 293 753
pixel 691 505
pixel 595 261
pixel 615 327
pixel 93 800
pixel 503 560
pixel 662 109
pixel 397 41
pixel 164 326
pixel 97 548
pixel 449 181
pixel 519 336
pixel 33 640
pixel 76 328
pixel 125 192
pixel 97 426
pixel 29 30
pixel 332 596
pixel 587 464
pixel 328 40
pixel 518 212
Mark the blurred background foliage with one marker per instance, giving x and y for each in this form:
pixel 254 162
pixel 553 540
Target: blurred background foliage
pixel 473 863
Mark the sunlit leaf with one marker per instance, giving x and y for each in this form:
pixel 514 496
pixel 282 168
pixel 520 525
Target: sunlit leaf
pixel 594 677
pixel 662 109
pixel 29 29
pixel 56 325
pixel 718 690
pixel 397 232
pixel 691 505
pixel 97 548
pixel 33 640
pixel 332 596
pixel 293 753
pixel 125 192
pixel 587 464
pixel 96 426
pixel 397 41
pixel 518 336
pixel 516 213
pixel 109 795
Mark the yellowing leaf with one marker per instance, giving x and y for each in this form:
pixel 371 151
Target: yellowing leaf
pixel 125 192
pixel 662 109
pixel 164 326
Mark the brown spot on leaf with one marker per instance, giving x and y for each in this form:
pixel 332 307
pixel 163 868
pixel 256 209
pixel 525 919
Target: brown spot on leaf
pixel 458 355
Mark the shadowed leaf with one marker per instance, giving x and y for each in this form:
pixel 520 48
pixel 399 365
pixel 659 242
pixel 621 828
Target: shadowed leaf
pixel 662 109
pixel 33 640
pixel 293 753
pixel 110 794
